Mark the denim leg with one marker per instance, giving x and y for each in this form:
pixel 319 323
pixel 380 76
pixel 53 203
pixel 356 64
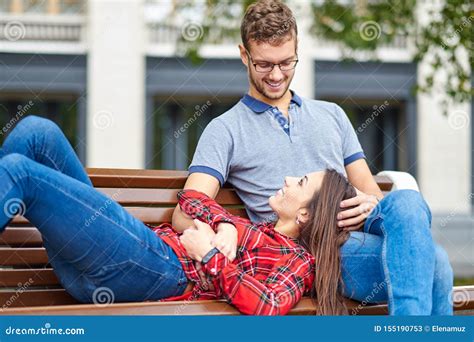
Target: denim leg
pixel 443 284
pixel 86 229
pixel 403 219
pixel 43 141
pixel 362 272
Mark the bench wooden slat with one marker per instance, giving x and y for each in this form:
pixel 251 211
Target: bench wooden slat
pixel 31 277
pixel 384 183
pixel 463 298
pixel 25 236
pixel 204 307
pixel 134 196
pixel 168 179
pixel 151 215
pixel 131 178
pixel 23 256
pixel 59 298
pixel 30 298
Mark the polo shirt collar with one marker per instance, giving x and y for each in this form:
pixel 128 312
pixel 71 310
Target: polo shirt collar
pixel 259 107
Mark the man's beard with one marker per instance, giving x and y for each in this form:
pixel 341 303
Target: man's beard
pixel 261 88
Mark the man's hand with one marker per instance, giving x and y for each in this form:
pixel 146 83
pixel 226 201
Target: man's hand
pixel 226 240
pixel 354 218
pixel 197 240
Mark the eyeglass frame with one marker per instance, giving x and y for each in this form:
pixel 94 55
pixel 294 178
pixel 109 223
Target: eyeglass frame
pixel 273 64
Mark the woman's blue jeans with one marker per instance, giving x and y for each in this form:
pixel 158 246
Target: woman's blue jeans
pixel 99 251
pixel 395 259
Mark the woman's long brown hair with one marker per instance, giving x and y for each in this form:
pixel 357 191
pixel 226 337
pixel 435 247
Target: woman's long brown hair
pixel 322 237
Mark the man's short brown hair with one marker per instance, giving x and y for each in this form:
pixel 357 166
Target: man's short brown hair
pixel 268 21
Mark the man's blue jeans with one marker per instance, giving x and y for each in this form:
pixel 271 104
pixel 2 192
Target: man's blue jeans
pixel 98 250
pixel 395 259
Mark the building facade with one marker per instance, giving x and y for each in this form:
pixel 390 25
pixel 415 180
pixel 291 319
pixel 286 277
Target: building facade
pixel 107 71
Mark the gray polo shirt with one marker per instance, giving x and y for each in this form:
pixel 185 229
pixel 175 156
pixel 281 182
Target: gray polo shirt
pixel 253 147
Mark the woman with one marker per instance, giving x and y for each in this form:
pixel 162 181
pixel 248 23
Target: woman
pixel 94 244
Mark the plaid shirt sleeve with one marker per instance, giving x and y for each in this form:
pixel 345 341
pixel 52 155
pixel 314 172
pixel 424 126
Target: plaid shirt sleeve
pixel 199 206
pixel 282 289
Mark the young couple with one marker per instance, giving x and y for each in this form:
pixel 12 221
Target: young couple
pixel 328 232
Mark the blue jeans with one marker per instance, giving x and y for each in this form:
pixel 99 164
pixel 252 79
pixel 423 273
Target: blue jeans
pixel 99 252
pixel 395 259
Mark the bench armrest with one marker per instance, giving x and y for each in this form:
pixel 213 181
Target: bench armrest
pixel 401 180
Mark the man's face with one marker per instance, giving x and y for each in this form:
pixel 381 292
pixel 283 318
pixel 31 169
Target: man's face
pixel 274 84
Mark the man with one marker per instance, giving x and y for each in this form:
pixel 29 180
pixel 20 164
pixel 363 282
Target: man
pixel 272 133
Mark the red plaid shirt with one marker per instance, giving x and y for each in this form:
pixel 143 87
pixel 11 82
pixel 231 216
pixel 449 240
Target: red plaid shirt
pixel 269 275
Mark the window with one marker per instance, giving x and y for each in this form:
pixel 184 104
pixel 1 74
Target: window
pixel 62 110
pixel 177 126
pixel 382 131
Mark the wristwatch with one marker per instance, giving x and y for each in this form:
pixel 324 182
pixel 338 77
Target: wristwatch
pixel 209 255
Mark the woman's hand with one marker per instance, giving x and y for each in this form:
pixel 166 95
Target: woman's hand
pixel 226 240
pixel 354 218
pixel 197 240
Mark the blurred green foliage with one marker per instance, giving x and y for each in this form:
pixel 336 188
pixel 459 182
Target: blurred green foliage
pixel 363 26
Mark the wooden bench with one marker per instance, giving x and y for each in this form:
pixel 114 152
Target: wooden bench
pixel 28 284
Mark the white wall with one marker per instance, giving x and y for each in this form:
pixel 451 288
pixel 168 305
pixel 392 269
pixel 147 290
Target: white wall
pixel 116 81
pixel 303 82
pixel 444 142
pixel 444 154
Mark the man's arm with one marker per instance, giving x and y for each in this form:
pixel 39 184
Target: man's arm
pixel 202 182
pixel 360 176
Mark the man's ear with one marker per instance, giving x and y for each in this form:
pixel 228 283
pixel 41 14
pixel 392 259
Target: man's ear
pixel 302 215
pixel 243 55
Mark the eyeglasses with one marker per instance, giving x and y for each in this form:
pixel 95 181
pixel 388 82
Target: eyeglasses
pixel 266 67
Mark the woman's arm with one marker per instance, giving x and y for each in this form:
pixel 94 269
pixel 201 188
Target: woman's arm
pixel 198 205
pixel 291 274
pixel 198 181
pixel 282 289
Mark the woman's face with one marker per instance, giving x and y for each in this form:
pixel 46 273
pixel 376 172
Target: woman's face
pixel 290 201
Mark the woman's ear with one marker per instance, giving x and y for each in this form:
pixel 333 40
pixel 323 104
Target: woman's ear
pixel 302 216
